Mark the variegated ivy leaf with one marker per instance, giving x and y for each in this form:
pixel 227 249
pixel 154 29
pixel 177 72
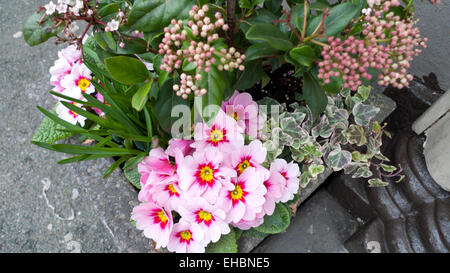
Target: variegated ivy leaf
pixel 273 150
pixel 298 155
pixel 376 182
pixel 400 179
pixel 388 168
pixel 298 116
pixel 362 172
pixel 380 156
pixel 356 135
pixel 323 129
pixel 338 159
pixel 362 94
pixel 315 169
pixel 312 149
pixel 346 92
pixel 305 178
pixel 338 116
pixel 374 145
pixel 290 127
pixel 364 113
pixel 350 168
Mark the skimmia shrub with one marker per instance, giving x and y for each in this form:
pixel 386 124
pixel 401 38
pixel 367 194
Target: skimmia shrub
pixel 163 87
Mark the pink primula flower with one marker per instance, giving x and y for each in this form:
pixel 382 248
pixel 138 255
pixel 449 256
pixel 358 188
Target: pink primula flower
pixel 78 82
pixel 245 198
pixel 224 134
pixel 290 172
pixel 68 115
pixel 252 155
pixel 275 186
pixel 210 219
pixel 156 222
pixel 62 67
pixel 186 238
pixel 167 194
pixel 244 110
pixel 203 174
pixel 182 144
pixel 246 225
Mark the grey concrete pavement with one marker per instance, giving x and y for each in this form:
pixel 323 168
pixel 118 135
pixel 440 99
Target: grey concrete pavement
pixel 46 207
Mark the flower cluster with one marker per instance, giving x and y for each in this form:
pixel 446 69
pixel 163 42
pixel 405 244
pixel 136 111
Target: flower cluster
pixel 71 78
pixel 211 182
pixel 391 55
pixel 196 44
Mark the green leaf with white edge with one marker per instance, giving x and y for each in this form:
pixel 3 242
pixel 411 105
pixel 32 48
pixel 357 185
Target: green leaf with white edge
pixel 339 17
pixel 364 113
pixel 226 244
pixel 277 222
pixel 133 175
pixel 49 131
pixel 356 135
pixel 362 94
pixel 314 95
pixel 338 159
pixel 35 33
pixel 376 182
pixel 315 169
pixel 271 34
pixel 127 70
pixel 388 168
pixel 362 171
pixel 153 15
pixel 140 98
pixel 304 55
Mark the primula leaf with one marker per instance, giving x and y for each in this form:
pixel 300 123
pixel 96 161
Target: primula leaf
pixel 141 96
pixel 35 33
pixel 277 222
pixel 127 70
pixel 153 15
pixel 271 34
pixel 132 174
pixel 226 244
pixel 49 131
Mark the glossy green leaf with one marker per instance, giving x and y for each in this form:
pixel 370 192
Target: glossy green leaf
pixel 304 55
pixel 127 70
pixel 35 33
pixel 141 96
pixel 313 94
pixel 271 34
pixel 339 17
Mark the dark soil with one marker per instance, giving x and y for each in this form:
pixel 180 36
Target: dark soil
pixel 282 87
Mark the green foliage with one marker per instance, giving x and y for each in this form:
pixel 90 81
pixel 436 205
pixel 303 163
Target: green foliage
pixel 49 131
pixel 226 244
pixel 153 15
pixel 133 175
pixel 36 33
pixel 271 34
pixel 127 70
pixel 277 222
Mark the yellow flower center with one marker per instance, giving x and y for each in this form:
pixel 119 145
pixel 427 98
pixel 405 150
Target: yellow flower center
pixel 204 215
pixel 185 235
pixel 83 83
pixel 172 189
pixel 237 193
pixel 206 174
pixel 216 136
pixel 235 116
pixel 162 216
pixel 243 165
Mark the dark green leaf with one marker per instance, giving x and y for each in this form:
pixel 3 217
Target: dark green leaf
pixel 127 70
pixel 277 222
pixel 140 98
pixel 35 33
pixel 270 34
pixel 314 95
pixel 226 244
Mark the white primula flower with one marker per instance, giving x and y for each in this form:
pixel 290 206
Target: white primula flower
pixel 50 8
pixel 113 25
pixel 68 115
pixel 78 82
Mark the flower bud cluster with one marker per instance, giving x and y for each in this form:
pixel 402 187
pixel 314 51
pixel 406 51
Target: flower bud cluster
pixel 196 45
pixel 390 53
